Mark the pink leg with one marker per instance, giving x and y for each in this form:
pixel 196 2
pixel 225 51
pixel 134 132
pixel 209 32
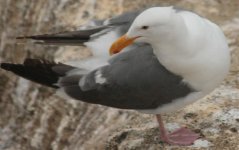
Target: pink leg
pixel 182 136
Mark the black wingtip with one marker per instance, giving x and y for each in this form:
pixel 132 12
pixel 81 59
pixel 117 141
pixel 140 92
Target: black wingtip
pixel 5 66
pixel 24 37
pixel 38 70
pixel 34 70
pixel 36 37
pixel 41 37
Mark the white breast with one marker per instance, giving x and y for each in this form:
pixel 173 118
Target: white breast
pixel 203 57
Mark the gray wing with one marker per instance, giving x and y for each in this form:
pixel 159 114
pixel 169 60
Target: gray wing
pixel 92 30
pixel 133 80
pixel 72 38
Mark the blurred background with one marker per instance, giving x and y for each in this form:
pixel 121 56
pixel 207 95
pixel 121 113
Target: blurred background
pixel 32 117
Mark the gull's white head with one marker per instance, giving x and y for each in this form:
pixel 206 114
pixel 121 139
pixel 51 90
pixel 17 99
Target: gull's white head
pixel 151 26
pixel 152 22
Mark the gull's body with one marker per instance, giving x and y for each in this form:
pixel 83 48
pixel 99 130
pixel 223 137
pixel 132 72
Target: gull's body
pixel 178 57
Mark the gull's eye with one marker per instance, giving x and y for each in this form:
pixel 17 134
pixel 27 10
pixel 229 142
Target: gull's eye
pixel 144 27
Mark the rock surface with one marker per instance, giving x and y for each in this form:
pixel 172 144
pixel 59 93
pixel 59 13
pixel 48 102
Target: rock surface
pixel 33 117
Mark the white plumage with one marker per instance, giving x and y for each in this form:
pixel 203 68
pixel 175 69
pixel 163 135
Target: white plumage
pixel 187 45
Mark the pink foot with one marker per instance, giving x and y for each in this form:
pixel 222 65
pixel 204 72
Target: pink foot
pixel 182 136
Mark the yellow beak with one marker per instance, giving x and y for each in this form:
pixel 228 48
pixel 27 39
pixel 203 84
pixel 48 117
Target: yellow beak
pixel 120 44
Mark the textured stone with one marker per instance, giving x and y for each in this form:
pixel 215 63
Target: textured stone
pixel 32 117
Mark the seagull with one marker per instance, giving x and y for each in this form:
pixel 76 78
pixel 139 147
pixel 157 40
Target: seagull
pixel 155 61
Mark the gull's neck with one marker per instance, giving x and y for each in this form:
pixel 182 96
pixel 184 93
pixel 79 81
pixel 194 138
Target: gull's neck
pixel 177 38
pixel 175 44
